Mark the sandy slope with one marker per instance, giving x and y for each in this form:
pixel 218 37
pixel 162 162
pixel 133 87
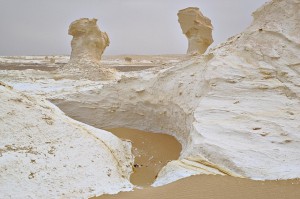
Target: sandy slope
pixel 152 151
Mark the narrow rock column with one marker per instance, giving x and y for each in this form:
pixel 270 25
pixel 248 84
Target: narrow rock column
pixel 88 45
pixel 197 28
pixel 88 41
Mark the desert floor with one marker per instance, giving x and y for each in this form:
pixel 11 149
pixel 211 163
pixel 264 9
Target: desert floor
pixel 151 151
pixel 152 154
pixel 217 187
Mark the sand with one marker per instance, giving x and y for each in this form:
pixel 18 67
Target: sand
pixel 152 151
pixel 217 187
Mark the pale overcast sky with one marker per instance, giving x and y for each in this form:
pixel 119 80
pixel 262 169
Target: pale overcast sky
pixel 40 27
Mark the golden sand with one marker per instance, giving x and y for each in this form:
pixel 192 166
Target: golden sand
pixel 152 151
pixel 216 187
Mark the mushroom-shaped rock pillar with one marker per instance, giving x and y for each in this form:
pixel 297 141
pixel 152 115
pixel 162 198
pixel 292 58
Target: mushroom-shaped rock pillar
pixel 197 28
pixel 88 43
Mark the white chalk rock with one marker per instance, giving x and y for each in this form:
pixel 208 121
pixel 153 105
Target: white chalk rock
pixel 197 28
pixel 88 45
pixel 45 154
pixel 235 110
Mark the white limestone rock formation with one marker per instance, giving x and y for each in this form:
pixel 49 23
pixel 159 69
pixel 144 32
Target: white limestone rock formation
pixel 88 45
pixel 236 110
pixel 197 28
pixel 45 154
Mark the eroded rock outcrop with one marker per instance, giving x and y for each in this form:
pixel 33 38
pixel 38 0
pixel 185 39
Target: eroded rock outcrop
pixel 197 28
pixel 44 153
pixel 236 110
pixel 88 45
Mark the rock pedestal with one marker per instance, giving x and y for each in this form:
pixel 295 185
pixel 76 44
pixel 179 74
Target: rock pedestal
pixel 197 28
pixel 88 41
pixel 88 45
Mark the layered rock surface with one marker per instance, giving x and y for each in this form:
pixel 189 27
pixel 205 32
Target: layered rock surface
pixel 197 28
pixel 235 110
pixel 43 153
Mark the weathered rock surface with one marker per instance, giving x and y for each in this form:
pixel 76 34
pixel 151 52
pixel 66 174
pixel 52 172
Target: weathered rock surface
pixel 43 153
pixel 88 45
pixel 235 110
pixel 197 28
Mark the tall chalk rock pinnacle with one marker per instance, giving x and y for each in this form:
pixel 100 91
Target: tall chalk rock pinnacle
pixel 88 45
pixel 197 28
pixel 88 41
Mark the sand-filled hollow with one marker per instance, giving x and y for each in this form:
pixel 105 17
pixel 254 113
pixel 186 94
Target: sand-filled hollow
pixel 152 151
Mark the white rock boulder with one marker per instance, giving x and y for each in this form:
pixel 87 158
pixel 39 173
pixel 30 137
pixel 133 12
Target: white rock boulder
pixel 44 153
